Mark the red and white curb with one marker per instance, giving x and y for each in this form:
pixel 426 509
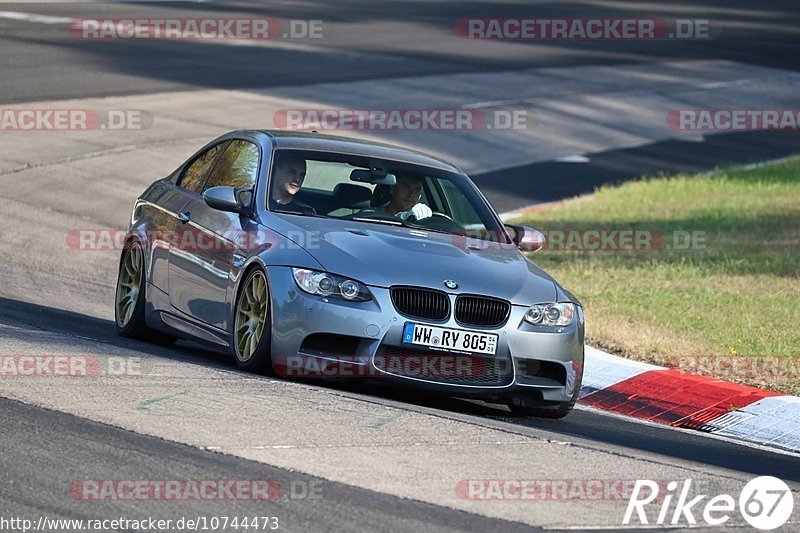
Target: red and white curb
pixel 678 399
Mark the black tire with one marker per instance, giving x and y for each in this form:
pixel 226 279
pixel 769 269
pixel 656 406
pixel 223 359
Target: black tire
pixel 136 327
pixel 260 362
pixel 551 411
pixel 531 405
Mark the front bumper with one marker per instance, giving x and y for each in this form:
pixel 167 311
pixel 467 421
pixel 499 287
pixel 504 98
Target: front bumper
pixel 544 362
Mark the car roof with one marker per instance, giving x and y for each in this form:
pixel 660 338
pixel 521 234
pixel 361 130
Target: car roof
pixel 297 140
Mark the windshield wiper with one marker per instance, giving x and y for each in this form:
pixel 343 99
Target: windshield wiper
pixel 407 224
pixel 301 213
pixel 399 222
pixel 380 220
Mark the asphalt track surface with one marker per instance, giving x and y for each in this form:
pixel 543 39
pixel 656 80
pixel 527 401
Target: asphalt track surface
pixel 389 39
pixel 45 447
pixel 70 447
pixel 364 40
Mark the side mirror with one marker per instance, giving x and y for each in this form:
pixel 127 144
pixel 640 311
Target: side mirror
pixel 527 239
pixel 224 199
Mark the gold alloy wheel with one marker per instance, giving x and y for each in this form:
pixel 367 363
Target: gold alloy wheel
pixel 251 316
pixel 128 284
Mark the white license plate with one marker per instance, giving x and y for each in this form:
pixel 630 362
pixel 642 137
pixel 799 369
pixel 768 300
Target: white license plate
pixel 449 339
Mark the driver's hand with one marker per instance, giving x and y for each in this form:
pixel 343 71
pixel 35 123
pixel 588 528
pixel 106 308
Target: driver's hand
pixel 418 212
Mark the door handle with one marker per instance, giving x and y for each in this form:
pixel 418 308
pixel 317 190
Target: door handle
pixel 184 217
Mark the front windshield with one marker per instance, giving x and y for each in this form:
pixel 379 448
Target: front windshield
pixel 342 186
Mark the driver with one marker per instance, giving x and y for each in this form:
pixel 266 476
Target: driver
pixel 404 201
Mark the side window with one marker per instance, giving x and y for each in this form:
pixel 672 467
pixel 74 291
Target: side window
pixel 237 167
pixel 195 174
pixel 462 210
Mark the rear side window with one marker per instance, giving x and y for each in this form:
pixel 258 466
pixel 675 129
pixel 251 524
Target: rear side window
pixel 195 174
pixel 237 167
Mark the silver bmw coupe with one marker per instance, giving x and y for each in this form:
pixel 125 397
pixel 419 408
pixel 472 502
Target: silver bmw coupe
pixel 319 256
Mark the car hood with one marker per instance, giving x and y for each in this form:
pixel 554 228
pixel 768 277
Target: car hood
pixel 383 255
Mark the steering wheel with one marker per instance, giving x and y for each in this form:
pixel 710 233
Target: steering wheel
pixel 412 218
pixel 442 222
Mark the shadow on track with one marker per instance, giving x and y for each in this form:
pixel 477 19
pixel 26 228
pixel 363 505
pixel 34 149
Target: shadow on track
pixel 550 181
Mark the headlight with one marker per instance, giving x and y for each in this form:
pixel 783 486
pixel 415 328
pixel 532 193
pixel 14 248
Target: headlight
pixel 330 285
pixel 557 314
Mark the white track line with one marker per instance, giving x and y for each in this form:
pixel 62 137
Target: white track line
pixel 34 17
pixel 276 44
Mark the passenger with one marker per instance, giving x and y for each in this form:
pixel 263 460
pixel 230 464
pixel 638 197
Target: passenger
pixel 288 175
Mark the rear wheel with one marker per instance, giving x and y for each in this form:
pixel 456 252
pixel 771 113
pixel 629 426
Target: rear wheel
pixel 129 301
pixel 252 333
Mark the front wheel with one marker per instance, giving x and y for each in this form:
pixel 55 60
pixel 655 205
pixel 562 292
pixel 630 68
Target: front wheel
pixel 555 411
pixel 527 405
pixel 252 327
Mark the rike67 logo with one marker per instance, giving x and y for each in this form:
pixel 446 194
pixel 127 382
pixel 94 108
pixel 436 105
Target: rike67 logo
pixel 765 503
